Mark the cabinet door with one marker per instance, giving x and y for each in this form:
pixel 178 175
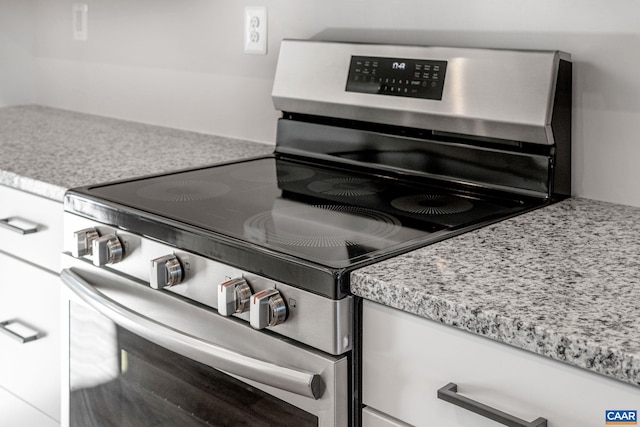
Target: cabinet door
pixel 16 413
pixel 406 359
pixel 30 297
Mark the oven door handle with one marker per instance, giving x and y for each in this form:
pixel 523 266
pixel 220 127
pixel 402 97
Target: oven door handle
pixel 218 357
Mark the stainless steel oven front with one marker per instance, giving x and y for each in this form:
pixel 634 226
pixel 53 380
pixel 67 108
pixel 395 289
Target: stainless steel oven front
pixel 139 357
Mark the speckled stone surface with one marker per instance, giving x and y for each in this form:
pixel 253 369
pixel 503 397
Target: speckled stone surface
pixel 46 151
pixel 562 281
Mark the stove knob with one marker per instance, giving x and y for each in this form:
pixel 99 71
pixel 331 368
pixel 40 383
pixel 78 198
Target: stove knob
pixel 267 309
pixel 84 242
pixel 107 250
pixel 233 296
pixel 166 271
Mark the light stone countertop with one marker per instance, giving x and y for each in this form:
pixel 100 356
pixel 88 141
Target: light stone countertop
pixel 562 281
pixel 46 151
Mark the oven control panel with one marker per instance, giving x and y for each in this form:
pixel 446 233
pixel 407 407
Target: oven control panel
pixel 414 78
pixel 262 302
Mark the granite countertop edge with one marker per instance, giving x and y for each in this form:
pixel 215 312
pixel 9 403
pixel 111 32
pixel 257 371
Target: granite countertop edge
pixel 33 186
pixel 605 360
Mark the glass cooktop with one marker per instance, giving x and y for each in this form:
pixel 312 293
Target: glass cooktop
pixel 333 217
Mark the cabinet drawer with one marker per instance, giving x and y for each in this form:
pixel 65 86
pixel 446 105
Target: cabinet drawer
pixel 17 211
pixel 30 296
pixel 406 359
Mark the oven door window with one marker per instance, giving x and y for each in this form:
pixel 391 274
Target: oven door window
pixel 120 379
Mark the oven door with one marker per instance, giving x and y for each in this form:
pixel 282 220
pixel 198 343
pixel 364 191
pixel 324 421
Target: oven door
pixel 141 357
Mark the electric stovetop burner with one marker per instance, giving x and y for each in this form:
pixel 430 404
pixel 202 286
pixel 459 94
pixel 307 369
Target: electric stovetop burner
pixel 322 226
pixel 264 171
pixel 330 216
pixel 186 190
pixel 432 204
pixel 345 187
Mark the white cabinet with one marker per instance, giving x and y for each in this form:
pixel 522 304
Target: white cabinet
pixel 16 413
pixel 406 359
pixel 30 246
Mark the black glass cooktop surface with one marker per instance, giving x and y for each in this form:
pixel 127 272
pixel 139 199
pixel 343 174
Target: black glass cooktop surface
pixel 329 216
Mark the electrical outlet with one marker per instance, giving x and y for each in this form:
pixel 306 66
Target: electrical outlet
pixel 255 30
pixel 80 11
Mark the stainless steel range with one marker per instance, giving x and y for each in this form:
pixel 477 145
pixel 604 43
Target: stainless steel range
pixel 220 295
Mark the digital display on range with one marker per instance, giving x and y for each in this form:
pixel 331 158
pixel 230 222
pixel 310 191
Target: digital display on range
pixel 414 78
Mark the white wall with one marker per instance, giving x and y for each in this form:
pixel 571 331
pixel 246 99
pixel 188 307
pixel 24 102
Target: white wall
pixel 180 63
pixel 16 52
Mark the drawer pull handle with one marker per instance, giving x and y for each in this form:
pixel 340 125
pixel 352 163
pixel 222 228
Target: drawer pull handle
pixel 449 393
pixel 18 331
pixel 18 225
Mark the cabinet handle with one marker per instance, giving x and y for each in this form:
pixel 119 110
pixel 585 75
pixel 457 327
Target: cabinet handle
pixel 449 393
pixel 18 331
pixel 18 225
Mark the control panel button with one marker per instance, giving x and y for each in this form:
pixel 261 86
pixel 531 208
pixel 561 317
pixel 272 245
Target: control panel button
pixel 165 271
pixel 107 250
pixel 267 309
pixel 233 296
pixel 84 242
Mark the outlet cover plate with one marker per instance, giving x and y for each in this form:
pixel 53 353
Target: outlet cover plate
pixel 255 30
